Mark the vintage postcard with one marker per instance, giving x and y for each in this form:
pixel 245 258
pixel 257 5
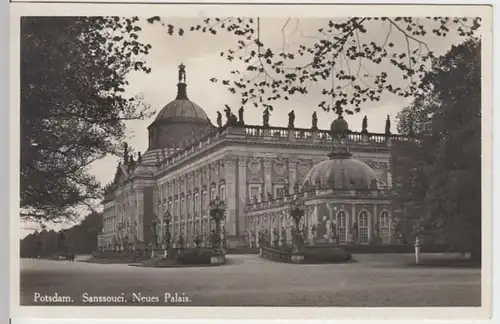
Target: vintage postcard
pixel 270 161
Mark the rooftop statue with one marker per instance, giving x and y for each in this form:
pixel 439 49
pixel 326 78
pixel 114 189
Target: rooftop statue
pixel 265 118
pixel 388 125
pixel 240 116
pixel 291 119
pixel 219 119
pixel 314 121
pixel 233 120
pixel 228 115
pixel 365 125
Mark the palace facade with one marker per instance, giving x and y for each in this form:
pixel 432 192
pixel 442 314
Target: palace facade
pixel 344 182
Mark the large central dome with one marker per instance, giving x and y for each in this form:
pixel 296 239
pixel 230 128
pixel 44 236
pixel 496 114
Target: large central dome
pixel 180 121
pixel 181 108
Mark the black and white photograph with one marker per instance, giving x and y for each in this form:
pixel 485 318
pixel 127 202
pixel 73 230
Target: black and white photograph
pixel 240 158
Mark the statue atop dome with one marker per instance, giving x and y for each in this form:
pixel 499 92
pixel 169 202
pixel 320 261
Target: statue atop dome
pixel 182 73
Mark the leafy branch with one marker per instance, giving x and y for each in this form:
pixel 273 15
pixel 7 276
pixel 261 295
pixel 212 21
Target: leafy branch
pixel 273 74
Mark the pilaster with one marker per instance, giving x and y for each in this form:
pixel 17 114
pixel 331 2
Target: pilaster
pixel 330 221
pixel 292 174
pixel 241 195
pixel 389 175
pixel 231 195
pixel 268 185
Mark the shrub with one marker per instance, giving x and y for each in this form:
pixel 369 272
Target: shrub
pixel 198 256
pixel 326 255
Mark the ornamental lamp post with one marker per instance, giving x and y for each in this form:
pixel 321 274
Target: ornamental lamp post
pixel 120 231
pixel 167 218
pixel 154 238
pixel 297 210
pixel 217 209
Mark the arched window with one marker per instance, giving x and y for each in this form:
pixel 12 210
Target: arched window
pixel 342 226
pixel 384 222
pixel 363 227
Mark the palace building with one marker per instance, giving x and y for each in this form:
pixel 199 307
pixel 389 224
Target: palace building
pixel 342 178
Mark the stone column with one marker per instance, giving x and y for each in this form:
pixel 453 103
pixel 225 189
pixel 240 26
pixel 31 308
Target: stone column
pixel 242 196
pixel 350 222
pixel 230 177
pixel 387 168
pixel 268 185
pixel 315 222
pixel 292 175
pixel 331 220
pixel 140 220
pixel 217 178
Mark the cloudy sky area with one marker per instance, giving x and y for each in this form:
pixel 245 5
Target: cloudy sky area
pixel 201 55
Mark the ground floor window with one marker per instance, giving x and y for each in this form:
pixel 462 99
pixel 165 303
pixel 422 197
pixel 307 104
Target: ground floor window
pixel 342 226
pixel 384 222
pixel 363 227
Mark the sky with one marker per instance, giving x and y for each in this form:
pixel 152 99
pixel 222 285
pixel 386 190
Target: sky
pixel 200 53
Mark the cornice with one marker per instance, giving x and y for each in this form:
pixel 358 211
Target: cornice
pixel 228 141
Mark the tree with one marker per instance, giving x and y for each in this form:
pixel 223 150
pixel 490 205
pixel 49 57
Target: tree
pixel 80 239
pixel 83 237
pixel 73 106
pixel 345 52
pixel 447 185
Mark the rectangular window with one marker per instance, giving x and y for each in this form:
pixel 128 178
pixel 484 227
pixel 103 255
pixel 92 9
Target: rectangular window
pixel 279 191
pixel 196 205
pixel 212 193
pixel 223 193
pixel 254 193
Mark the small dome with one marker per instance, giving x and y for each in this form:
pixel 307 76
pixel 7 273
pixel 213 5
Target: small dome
pixel 339 125
pixel 342 173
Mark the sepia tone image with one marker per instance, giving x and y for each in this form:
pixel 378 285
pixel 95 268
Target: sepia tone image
pixel 250 161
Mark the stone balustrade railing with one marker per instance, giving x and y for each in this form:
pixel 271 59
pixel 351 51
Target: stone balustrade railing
pixel 315 193
pixel 281 134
